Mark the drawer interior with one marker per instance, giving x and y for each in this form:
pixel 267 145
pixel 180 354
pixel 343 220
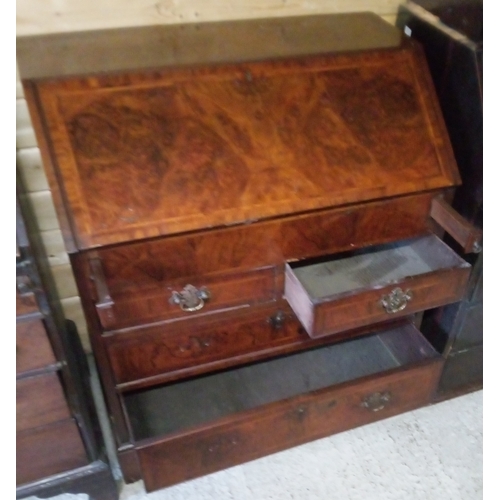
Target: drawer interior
pixel 375 267
pixel 182 405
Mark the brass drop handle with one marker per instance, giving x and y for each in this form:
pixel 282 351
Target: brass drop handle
pixel 376 401
pixel 396 301
pixel 190 298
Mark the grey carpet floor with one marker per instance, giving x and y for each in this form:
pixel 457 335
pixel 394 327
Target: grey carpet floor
pixel 434 453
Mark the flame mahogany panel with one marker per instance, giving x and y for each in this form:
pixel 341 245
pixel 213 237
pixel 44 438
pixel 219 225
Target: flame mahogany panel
pixel 180 149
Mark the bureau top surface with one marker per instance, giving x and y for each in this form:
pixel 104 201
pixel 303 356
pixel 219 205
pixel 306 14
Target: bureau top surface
pixel 266 132
pixel 136 48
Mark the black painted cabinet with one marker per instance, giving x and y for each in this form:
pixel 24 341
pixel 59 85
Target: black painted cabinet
pixel 451 32
pixel 59 444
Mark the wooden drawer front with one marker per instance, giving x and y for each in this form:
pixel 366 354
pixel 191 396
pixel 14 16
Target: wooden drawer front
pixel 283 425
pixel 25 303
pixel 251 246
pixel 390 282
pixel 48 450
pixel 33 349
pixel 39 401
pixel 197 346
pixel 140 304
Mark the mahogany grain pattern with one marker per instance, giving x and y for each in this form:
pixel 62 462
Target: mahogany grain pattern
pixel 281 425
pixel 47 450
pixel 33 348
pixel 40 400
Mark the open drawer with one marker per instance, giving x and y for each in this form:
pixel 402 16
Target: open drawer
pixel 197 426
pixel 374 284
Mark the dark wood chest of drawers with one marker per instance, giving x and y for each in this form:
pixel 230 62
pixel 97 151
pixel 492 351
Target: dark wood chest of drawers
pixel 59 447
pixel 251 211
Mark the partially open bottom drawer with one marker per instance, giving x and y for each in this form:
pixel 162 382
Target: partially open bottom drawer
pixel 374 284
pixel 204 424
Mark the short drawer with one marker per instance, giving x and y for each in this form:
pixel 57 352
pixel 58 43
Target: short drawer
pixel 205 424
pixel 48 450
pixel 138 303
pixel 169 350
pixel 39 401
pixel 33 349
pixel 375 285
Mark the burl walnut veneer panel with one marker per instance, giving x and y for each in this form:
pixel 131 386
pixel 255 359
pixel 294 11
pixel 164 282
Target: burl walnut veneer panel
pixel 179 149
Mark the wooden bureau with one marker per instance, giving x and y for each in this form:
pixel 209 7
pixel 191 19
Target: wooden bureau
pixel 253 212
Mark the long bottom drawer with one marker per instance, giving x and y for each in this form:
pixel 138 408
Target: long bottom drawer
pixel 195 427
